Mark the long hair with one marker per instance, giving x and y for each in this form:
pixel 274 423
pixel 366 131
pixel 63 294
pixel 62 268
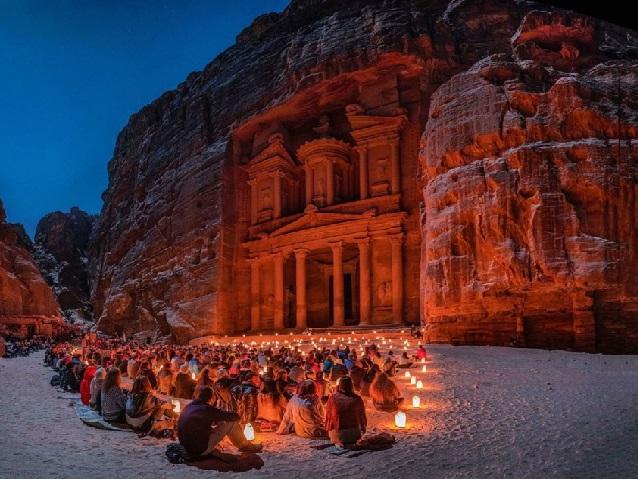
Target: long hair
pixel 307 388
pixel 383 389
pixel 141 385
pixel 112 379
pixel 345 386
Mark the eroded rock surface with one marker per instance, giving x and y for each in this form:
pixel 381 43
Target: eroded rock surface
pixel 23 291
pixel 60 249
pixel 530 194
pixel 527 167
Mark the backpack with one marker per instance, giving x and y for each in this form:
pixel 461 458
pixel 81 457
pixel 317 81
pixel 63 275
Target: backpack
pixel 55 380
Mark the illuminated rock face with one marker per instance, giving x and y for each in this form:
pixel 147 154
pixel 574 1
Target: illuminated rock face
pixel 530 194
pixel 23 291
pixel 282 186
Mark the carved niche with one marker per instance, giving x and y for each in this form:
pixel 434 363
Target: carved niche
pixel 272 182
pixel 327 164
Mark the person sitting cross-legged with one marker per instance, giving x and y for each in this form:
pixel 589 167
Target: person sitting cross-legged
pixel 201 427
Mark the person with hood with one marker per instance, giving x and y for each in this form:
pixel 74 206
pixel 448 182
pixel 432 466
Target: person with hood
pixel 304 413
pixel 346 420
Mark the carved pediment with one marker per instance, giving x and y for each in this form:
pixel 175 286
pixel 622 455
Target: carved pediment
pixel 313 218
pixel 274 156
pixel 367 128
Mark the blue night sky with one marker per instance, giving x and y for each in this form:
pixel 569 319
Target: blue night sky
pixel 73 71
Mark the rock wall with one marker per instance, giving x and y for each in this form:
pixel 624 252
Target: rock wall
pixel 23 291
pixel 60 249
pixel 507 232
pixel 530 173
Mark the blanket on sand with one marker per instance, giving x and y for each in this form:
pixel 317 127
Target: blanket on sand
pixel 218 461
pixel 92 418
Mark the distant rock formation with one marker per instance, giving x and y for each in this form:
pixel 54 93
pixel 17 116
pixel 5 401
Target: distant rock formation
pixel 23 291
pixel 527 169
pixel 60 249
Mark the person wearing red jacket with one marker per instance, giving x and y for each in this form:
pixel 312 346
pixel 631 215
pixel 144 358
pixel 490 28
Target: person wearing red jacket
pixel 346 420
pixel 85 384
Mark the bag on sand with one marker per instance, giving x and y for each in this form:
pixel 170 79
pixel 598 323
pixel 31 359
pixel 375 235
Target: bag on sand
pixel 55 380
pixel 176 453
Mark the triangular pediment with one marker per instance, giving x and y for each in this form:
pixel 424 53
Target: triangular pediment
pixel 274 151
pixel 313 218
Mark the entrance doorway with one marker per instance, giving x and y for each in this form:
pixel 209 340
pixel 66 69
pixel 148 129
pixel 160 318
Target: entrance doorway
pixel 347 298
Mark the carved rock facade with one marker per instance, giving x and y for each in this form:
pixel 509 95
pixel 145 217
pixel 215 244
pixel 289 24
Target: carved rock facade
pixel 282 186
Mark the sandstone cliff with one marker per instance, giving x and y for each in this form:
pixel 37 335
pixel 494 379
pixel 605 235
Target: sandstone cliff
pixel 23 291
pixel 527 167
pixel 530 173
pixel 60 249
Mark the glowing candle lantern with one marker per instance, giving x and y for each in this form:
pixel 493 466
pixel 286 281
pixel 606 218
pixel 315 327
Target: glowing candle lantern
pixel 419 385
pixel 413 381
pixel 423 360
pixel 424 369
pixel 193 376
pixel 407 374
pixel 177 405
pixel 400 419
pixel 249 432
pixel 416 401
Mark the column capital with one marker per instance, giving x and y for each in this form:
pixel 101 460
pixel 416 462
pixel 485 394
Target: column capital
pixel 301 252
pixel 362 241
pixel 361 148
pixel 338 245
pixel 252 182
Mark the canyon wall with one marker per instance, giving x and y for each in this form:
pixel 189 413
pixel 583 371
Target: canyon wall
pixel 23 291
pixel 60 250
pixel 530 173
pixel 526 164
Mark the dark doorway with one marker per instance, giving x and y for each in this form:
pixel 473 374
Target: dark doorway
pixel 347 298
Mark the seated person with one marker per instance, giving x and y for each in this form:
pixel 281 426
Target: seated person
pixel 245 396
pixel 201 426
pixel 96 389
pixel 165 379
pixel 141 405
pixel 112 397
pixel 338 370
pixel 346 420
pixel 184 383
pixel 271 404
pixel 304 413
pixel 405 361
pixel 385 395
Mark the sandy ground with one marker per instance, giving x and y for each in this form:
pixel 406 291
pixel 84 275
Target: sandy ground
pixel 489 412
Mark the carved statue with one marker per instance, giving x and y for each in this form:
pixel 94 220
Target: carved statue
pixel 384 293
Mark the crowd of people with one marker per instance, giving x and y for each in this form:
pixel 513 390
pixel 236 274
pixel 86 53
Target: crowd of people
pixel 11 347
pixel 313 394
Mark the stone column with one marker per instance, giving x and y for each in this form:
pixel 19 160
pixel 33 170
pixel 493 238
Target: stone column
pixel 255 295
pixel 279 291
pixel 337 283
pixel 253 201
pixel 277 199
pixel 309 184
pixel 330 182
pixel 397 279
pixel 396 173
pixel 364 281
pixel 300 278
pixel 363 172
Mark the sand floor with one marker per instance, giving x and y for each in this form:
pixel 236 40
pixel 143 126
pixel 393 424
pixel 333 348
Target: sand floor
pixel 489 412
